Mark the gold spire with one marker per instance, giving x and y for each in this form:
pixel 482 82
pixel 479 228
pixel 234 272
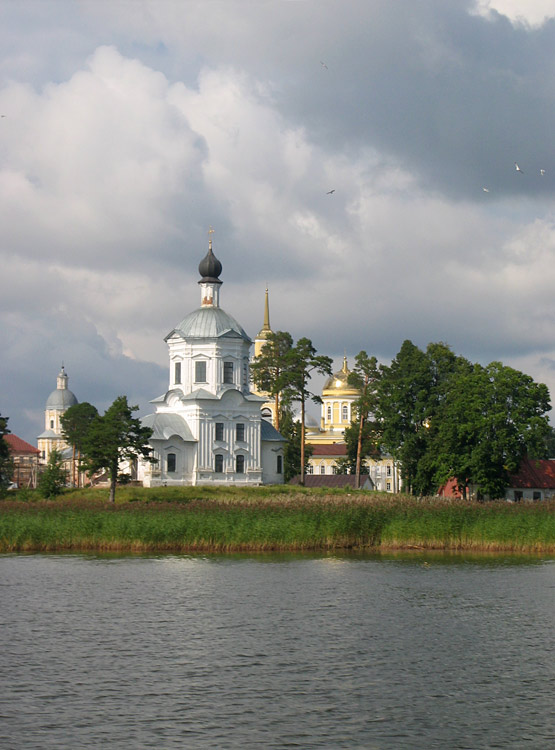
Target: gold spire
pixel 265 330
pixel 345 368
pixel 266 326
pixel 210 233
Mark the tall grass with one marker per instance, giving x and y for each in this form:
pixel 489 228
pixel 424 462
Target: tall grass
pixel 210 519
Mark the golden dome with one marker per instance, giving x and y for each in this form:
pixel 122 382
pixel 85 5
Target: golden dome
pixel 337 383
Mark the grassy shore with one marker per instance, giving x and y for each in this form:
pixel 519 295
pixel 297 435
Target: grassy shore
pixel 212 520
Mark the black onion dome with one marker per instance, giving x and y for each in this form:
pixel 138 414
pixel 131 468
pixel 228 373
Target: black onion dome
pixel 210 268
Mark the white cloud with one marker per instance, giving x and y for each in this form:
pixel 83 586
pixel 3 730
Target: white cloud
pixel 533 12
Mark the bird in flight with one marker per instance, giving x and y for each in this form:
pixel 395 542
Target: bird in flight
pixel 323 64
pixel 542 172
pixel 486 190
pixel 330 192
pixel 518 169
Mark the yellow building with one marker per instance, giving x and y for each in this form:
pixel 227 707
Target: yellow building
pixel 328 442
pixel 337 413
pixel 337 402
pixel 269 407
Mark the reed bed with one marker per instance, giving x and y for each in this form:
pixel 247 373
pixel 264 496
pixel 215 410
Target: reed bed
pixel 257 519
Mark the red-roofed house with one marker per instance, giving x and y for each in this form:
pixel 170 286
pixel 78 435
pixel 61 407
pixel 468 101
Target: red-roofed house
pixel 26 460
pixel 535 480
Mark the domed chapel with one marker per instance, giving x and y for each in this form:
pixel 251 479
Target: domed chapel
pixel 56 404
pixel 208 427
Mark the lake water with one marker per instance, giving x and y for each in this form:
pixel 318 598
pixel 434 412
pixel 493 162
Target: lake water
pixel 277 652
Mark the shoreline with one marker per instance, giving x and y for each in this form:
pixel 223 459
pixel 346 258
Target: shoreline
pixel 198 521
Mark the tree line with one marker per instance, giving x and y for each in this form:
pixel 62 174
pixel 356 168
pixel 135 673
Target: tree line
pixel 437 414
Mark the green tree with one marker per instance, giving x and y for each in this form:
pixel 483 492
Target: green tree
pixel 301 362
pixel 402 409
pixel 269 369
pixel 114 437
pixel 76 422
pixel 491 418
pixel 364 377
pixel 411 395
pixel 53 479
pixel 6 463
pixel 291 431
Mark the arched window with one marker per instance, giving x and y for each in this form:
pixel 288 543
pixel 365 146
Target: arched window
pixel 329 413
pixel 322 469
pixel 218 463
pixel 345 412
pixel 239 464
pixel 266 413
pixel 171 462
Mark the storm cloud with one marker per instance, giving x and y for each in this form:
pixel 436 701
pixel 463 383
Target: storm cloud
pixel 129 129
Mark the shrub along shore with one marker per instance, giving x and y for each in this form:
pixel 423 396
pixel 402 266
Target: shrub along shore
pixel 197 519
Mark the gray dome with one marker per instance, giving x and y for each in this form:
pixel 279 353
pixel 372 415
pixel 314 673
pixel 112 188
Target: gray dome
pixel 210 323
pixel 210 268
pixel 61 398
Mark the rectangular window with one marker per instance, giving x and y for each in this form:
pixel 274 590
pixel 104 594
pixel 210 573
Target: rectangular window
pixel 536 495
pixel 219 430
pixel 279 465
pixel 310 469
pixel 322 469
pixel 518 496
pixel 171 461
pixel 388 470
pixel 240 432
pixel 200 372
pixel 388 486
pixel 239 464
pixel 218 463
pixel 228 372
pixel 177 373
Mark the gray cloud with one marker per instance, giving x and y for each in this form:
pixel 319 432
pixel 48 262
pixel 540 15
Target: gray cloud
pixel 127 134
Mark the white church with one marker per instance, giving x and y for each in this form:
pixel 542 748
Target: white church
pixel 208 427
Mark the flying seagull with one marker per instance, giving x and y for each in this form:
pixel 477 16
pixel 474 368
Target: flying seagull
pixel 330 192
pixel 323 64
pixel 518 169
pixel 486 190
pixel 542 172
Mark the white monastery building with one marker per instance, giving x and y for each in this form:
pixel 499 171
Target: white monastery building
pixel 208 427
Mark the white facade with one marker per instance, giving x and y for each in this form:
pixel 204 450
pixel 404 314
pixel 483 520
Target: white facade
pixel 207 428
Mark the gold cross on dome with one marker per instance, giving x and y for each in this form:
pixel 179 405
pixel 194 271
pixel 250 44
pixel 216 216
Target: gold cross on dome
pixel 210 233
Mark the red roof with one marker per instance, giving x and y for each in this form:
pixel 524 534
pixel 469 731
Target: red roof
pixel 329 480
pixel 335 449
pixel 535 474
pixel 17 445
pixel 538 474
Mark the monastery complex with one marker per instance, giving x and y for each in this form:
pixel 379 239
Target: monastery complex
pixel 212 426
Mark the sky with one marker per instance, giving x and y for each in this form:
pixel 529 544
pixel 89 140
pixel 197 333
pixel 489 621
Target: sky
pixel 130 127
